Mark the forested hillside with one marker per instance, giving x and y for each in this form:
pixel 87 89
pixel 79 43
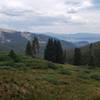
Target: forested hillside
pixel 85 54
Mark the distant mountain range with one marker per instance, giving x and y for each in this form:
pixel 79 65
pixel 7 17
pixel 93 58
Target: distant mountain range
pixel 78 37
pixel 10 39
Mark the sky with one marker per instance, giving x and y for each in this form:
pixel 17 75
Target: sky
pixel 57 16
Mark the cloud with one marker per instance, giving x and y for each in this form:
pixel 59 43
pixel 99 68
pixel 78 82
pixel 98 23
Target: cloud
pixel 51 15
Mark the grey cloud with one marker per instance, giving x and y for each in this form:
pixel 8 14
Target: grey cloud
pixel 75 3
pixel 72 11
pixel 53 13
pixel 37 21
pixel 44 20
pixel 14 12
pixel 72 6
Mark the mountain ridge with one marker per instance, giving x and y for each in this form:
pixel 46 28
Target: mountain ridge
pixel 77 37
pixel 17 40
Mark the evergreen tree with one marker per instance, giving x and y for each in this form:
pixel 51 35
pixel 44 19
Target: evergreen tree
pixel 58 52
pixel 49 50
pixel 35 47
pixel 13 56
pixel 54 51
pixel 37 44
pixel 28 49
pixel 77 56
pixel 91 56
pixel 64 56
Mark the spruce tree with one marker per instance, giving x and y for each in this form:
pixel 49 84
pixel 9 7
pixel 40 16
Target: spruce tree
pixel 33 49
pixel 13 56
pixel 64 56
pixel 54 51
pixel 46 51
pixel 49 50
pixel 91 56
pixel 77 56
pixel 58 52
pixel 35 46
pixel 28 49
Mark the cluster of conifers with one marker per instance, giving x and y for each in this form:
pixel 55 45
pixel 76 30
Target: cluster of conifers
pixel 54 52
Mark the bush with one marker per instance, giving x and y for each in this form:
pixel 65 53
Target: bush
pixel 51 65
pixel 19 64
pixel 36 64
pixel 83 76
pixel 53 80
pixel 4 58
pixel 65 72
pixel 7 63
pixel 87 71
pixel 97 98
pixel 96 77
pixel 13 56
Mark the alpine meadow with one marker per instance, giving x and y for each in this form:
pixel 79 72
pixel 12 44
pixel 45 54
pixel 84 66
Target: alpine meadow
pixel 50 50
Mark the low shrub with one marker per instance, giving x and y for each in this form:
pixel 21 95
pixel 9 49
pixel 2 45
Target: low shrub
pixel 87 71
pixel 83 76
pixel 19 64
pixel 64 72
pixel 4 58
pixel 7 63
pixel 51 65
pixel 96 98
pixel 36 65
pixel 96 77
pixel 53 80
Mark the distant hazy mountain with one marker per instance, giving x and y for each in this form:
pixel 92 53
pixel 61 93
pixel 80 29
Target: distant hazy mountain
pixel 78 37
pixel 10 39
pixel 81 43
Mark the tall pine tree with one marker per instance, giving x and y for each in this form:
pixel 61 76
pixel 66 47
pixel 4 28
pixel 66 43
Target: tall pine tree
pixel 58 51
pixel 64 56
pixel 28 50
pixel 91 56
pixel 49 50
pixel 77 56
pixel 54 51
pixel 35 46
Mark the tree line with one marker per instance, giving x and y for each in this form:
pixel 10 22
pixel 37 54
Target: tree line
pixel 78 57
pixel 32 48
pixel 54 52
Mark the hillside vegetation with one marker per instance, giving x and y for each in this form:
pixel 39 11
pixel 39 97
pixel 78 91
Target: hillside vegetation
pixel 96 53
pixel 85 54
pixel 36 79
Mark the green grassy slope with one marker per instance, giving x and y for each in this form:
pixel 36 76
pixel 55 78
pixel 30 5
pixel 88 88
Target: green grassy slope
pixel 36 79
